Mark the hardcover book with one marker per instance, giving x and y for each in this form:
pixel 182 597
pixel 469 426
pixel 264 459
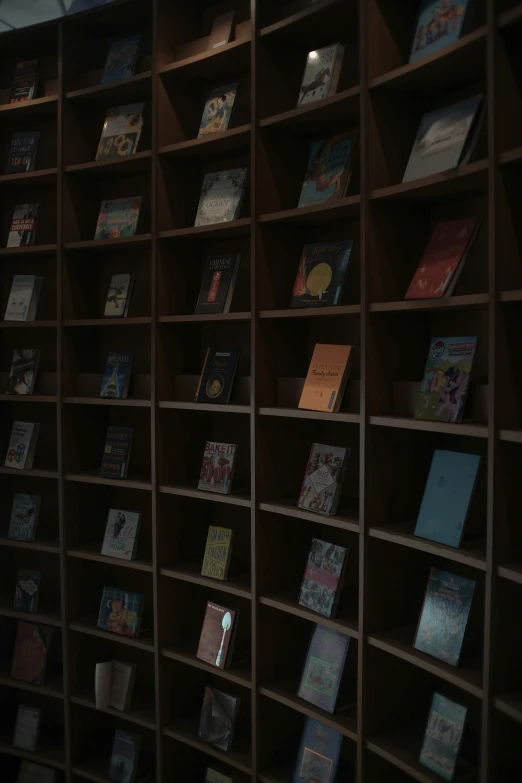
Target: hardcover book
pixel 24 517
pixel 22 231
pixel 27 591
pixel 221 32
pixel 118 218
pixel 321 74
pixel 323 479
pixel 445 384
pixel 124 757
pixel 447 497
pixel 217 285
pixel 215 776
pixel 22 154
pixel 24 367
pixel 121 59
pixel 121 534
pixel 443 736
pixel 121 131
pixel 442 261
pixel 218 716
pixel 22 445
pixel 116 452
pixel 30 652
pixel 438 25
pixel 318 754
pixel 27 727
pixel 217 111
pixel 323 668
pixel 221 197
pixel 444 616
pixel 218 552
pixel 113 684
pixel 217 469
pixel 323 577
pixel 23 298
pixel 35 773
pixel 116 377
pixel 120 611
pixel 328 170
pixel 118 296
pixel 25 81
pixel 217 633
pixel 326 379
pixel 321 274
pixel 217 377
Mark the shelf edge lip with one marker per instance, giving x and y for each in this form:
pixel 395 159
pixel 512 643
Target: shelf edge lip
pixel 29 250
pixel 22 176
pixel 302 413
pixel 186 62
pixel 512 572
pixel 385 533
pixel 511 435
pixel 44 690
pixel 307 709
pixel 38 546
pixel 126 403
pixel 88 244
pixel 204 141
pixel 132 321
pixel 192 492
pixel 333 205
pixel 311 312
pixel 97 557
pixel 92 478
pixel 38 756
pixel 513 155
pixel 204 318
pixel 50 324
pixel 311 108
pixel 107 87
pixel 123 714
pixel 344 523
pixel 32 617
pixel 344 626
pixel 34 472
pixel 202 406
pixel 409 423
pixel 405 305
pixel 21 105
pixel 227 674
pixel 205 747
pixel 510 17
pixel 43 398
pixel 374 746
pixel 403 188
pixel 171 572
pixel 79 627
pixel 189 231
pixel 289 21
pixel 107 163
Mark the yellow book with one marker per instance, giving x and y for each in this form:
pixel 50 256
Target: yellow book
pixel 218 550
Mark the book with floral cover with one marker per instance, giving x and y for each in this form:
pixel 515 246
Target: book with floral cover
pixel 323 577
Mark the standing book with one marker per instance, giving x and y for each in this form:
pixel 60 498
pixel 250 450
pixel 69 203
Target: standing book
pixel 443 736
pixel 326 379
pixel 321 274
pixel 22 231
pixel 318 755
pixel 22 153
pixel 323 479
pixel 221 32
pixel 24 368
pixel 27 591
pixel 120 611
pixel 121 131
pixel 217 635
pixel 323 668
pixel 116 377
pixel 445 384
pixel 121 534
pixel 113 684
pixel 217 469
pixel 124 757
pixel 321 74
pixel 323 577
pixel 218 553
pixel 217 111
pixel 217 285
pixel 23 298
pixel 116 452
pixel 121 59
pixel 439 24
pixel 24 517
pixel 218 717
pixel 27 727
pixel 22 445
pixel 218 374
pixel 118 218
pixel 30 652
pixel 328 171
pixel 118 296
pixel 25 81
pixel 35 773
pixel 221 197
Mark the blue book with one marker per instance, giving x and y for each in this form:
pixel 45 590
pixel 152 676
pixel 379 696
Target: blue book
pixel 447 496
pixel 444 616
pixel 318 754
pixel 116 378
pixel 121 59
pixel 443 736
pixel 120 611
pixel 439 24
pixel 328 170
pixel 323 667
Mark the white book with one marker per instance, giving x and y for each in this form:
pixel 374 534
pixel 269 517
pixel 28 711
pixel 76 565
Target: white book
pixel 27 728
pixel 24 517
pixel 35 773
pixel 221 196
pixel 121 534
pixel 113 685
pixel 321 74
pixel 23 298
pixel 22 445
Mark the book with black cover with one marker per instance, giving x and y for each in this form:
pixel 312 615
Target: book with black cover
pixel 22 231
pixel 321 274
pixel 24 517
pixel 116 452
pixel 116 377
pixel 22 154
pixel 25 81
pixel 217 376
pixel 318 754
pixel 27 591
pixel 323 667
pixel 24 368
pixel 218 717
pixel 217 285
pixel 124 757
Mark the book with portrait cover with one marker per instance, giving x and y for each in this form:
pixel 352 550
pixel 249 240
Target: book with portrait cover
pixel 217 376
pixel 444 730
pixel 116 452
pixel 121 59
pixel 24 517
pixel 23 298
pixel 22 445
pixel 121 131
pixel 24 86
pixel 323 667
pixel 27 591
pixel 35 773
pixel 217 468
pixel 22 153
pixel 443 259
pixel 118 218
pixel 217 635
pixel 218 552
pixel 116 376
pixel 216 776
pixel 321 274
pixel 445 383
pixel 326 379
pixel 27 727
pixel 124 757
pixel 217 285
pixel 218 717
pixel 321 74
pixel 318 755
pixel 439 24
pixel 24 367
pixel 328 170
pixel 120 611
pixel 121 534
pixel 221 197
pixel 22 231
pixel 218 110
pixel 323 479
pixel 444 616
pixel 323 577
pixel 30 652
pixel 118 296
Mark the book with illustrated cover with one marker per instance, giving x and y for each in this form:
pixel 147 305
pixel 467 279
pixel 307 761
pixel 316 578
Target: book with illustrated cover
pixel 439 24
pixel 323 576
pixel 116 376
pixel 22 153
pixel 25 81
pixel 328 170
pixel 24 517
pixel 217 635
pixel 318 755
pixel 22 231
pixel 116 452
pixel 24 367
pixel 445 383
pixel 35 773
pixel 326 379
pixel 118 218
pixel 114 684
pixel 221 32
pixel 121 59
pixel 442 261
pixel 124 757
pixel 217 111
pixel 218 374
pixel 447 497
pixel 221 197
pixel 216 776
pixel 218 717
pixel 22 445
pixel 217 469
pixel 120 611
pixel 444 616
pixel 217 285
pixel 27 591
pixel 321 274
pixel 30 652
pixel 121 534
pixel 218 552
pixel 321 74
pixel 323 668
pixel 27 727
pixel 323 479
pixel 444 730
pixel 118 296
pixel 23 298
pixel 121 131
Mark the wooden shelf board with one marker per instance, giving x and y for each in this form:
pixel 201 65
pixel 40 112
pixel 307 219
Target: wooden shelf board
pixel 191 572
pixel 345 723
pixel 93 552
pixel 510 17
pixel 470 178
pixel 29 250
pixel 512 571
pixel 203 406
pixel 335 209
pixel 92 477
pixel 238 756
pixel 305 18
pixel 101 245
pixel 511 296
pixel 90 628
pixel 511 705
pixel 284 604
pixel 52 687
pixel 52 547
pixel 511 156
pixel 35 177
pixel 513 436
pixel 190 491
pixel 276 776
pixel 29 109
pixel 231 58
pixel 312 312
pixel 136 85
pixel 230 140
pixel 203 318
pixel 96 770
pixel 142 717
pixel 225 230
pixel 137 163
pixel 33 472
pixel 289 508
pixel 404 423
pixel 44 617
pixel 28 324
pixel 16 398
pixel 50 757
pixel 318 113
pixel 241 675
pixel 464 302
pixel 298 413
pixel 142 320
pixel 130 402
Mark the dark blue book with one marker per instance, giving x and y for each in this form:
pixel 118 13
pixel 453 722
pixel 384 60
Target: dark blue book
pixel 321 273
pixel 318 754
pixel 323 667
pixel 447 496
pixel 444 616
pixel 116 378
pixel 116 452
pixel 120 611
pixel 443 736
pixel 121 59
pixel 27 591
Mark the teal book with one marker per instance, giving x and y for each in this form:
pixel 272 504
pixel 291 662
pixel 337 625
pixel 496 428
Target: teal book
pixel 318 755
pixel 328 171
pixel 323 667
pixel 447 497
pixel 443 736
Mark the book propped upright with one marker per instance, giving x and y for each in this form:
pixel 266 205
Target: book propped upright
pixel 323 479
pixel 22 231
pixel 217 635
pixel 25 81
pixel 321 274
pixel 328 171
pixel 125 754
pixel 114 684
pixel 443 737
pixel 218 553
pixel 22 153
pixel 326 379
pixel 323 577
pixel 323 668
pixel 116 452
pixel 217 111
pixel 22 445
pixel 116 377
pixel 222 194
pixel 121 534
pixel 121 131
pixel 218 283
pixel 217 376
pixel 321 74
pixel 438 25
pixel 27 727
pixel 27 591
pixel 445 383
pixel 217 469
pixel 24 368
pixel 218 718
pixel 120 611
pixel 118 296
pixel 24 517
pixel 121 59
pixel 318 755
pixel 23 298
pixel 222 28
pixel 118 218
pixel 30 652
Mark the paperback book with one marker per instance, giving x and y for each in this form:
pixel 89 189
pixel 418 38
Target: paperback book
pixel 22 445
pixel 321 274
pixel 24 517
pixel 113 684
pixel 318 755
pixel 326 379
pixel 121 534
pixel 218 717
pixel 22 153
pixel 25 81
pixel 23 298
pixel 323 479
pixel 121 59
pixel 323 577
pixel 24 367
pixel 121 131
pixel 439 24
pixel 27 727
pixel 124 757
pixel 445 384
pixel 221 197
pixel 323 668
pixel 440 749
pixel 321 74
pixel 116 377
pixel 30 652
pixel 218 283
pixel 217 469
pixel 118 296
pixel 221 32
pixel 218 374
pixel 116 452
pixel 328 170
pixel 218 552
pixel 120 611
pixel 35 773
pixel 27 591
pixel 22 231
pixel 217 635
pixel 217 112
pixel 118 218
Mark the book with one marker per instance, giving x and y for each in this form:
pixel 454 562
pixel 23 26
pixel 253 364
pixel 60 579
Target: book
pixel 221 197
pixel 445 383
pixel 121 534
pixel 22 153
pixel 323 577
pixel 326 379
pixel 218 717
pixel 27 591
pixel 24 368
pixel 443 259
pixel 215 776
pixel 124 757
pixel 116 376
pixel 22 445
pixel 217 634
pixel 447 496
pixel 218 374
pixel 323 668
pixel 217 468
pixel 121 59
pixel 439 24
pixel 120 611
pixel 35 773
pixel 22 230
pixel 221 32
pixel 23 298
pixel 118 218
pixel 217 285
pixel 328 170
pixel 444 616
pixel 116 452
pixel 118 296
pixel 24 517
pixel 30 652
pixel 217 111
pixel 318 754
pixel 444 730
pixel 321 274
pixel 121 131
pixel 218 552
pixel 27 727
pixel 323 479
pixel 113 684
pixel 24 86
pixel 321 73
pixel 441 140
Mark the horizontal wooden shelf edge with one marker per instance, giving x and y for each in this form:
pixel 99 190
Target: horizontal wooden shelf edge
pixel 192 492
pixel 108 87
pixel 179 65
pixel 288 21
pixel 292 607
pixel 240 761
pixel 233 674
pixel 401 422
pixel 145 718
pixel 301 413
pixel 341 723
pixel 396 535
pixel 91 629
pixel 289 510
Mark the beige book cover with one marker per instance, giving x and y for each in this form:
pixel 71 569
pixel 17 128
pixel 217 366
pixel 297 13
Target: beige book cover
pixel 326 379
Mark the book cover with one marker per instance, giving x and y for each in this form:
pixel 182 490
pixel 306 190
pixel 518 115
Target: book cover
pixel 439 24
pixel 118 296
pixel 445 383
pixel 24 517
pixel 27 591
pixel 22 153
pixel 116 376
pixel 35 773
pixel 447 497
pixel 121 534
pixel 321 274
pixel 318 754
pixel 22 231
pixel 24 367
pixel 118 218
pixel 217 111
pixel 440 265
pixel 221 32
pixel 30 652
pixel 27 727
pixel 221 197
pixel 328 170
pixel 217 376
pixel 122 685
pixel 326 379
pixel 25 81
pixel 217 468
pixel 121 59
pixel 323 479
pixel 120 611
pixel 217 285
pixel 323 668
pixel 23 298
pixel 443 736
pixel 216 635
pixel 22 445
pixel 116 452
pixel 121 131
pixel 215 776
pixel 322 578
pixel 124 757
pixel 218 716
pixel 321 74
pixel 444 616
pixel 218 552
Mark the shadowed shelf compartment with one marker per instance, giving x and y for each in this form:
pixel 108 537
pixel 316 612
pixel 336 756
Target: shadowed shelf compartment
pixel 186 731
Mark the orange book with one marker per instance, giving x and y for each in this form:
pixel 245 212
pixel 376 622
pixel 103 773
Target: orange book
pixel 326 379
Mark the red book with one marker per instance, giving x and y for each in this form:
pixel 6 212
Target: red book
pixel 217 635
pixel 30 652
pixel 442 261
